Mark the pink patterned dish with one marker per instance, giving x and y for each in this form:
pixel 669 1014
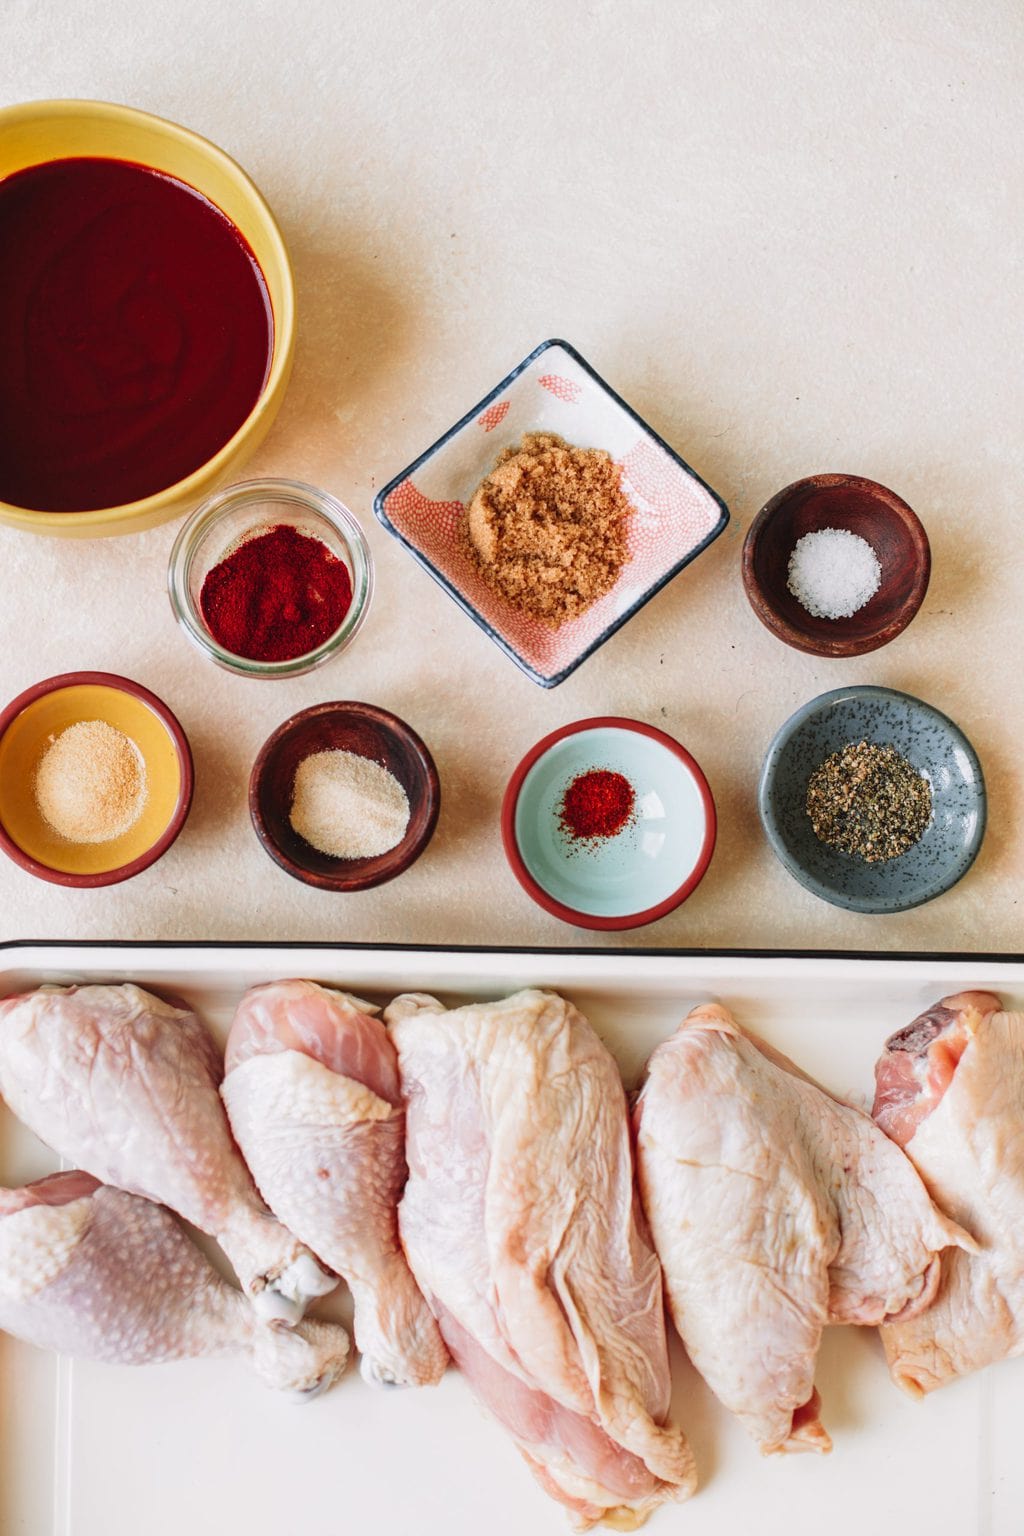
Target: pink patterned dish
pixel 552 390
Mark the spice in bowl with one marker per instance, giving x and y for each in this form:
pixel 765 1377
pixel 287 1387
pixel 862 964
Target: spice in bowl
pixel 90 785
pixel 596 805
pixel 833 573
pixel 277 595
pixel 869 801
pixel 348 806
pixel 549 527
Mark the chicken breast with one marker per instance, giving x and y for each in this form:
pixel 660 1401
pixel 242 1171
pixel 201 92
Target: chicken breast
pixel 521 1225
pixel 950 1088
pixel 775 1210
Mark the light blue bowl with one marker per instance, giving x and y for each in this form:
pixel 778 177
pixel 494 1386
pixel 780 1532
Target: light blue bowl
pixel 639 875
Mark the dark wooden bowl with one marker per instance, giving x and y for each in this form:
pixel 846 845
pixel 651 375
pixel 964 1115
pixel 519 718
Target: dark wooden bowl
pixel 350 727
pixel 863 507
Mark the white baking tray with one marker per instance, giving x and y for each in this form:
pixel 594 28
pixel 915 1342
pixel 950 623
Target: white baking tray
pixel 89 1450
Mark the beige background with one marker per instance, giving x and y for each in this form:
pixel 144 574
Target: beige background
pixel 787 233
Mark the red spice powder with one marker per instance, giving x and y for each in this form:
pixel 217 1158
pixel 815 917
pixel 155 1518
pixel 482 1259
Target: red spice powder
pixel 278 595
pixel 597 804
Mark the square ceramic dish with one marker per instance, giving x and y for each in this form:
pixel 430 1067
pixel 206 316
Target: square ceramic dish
pixel 102 1450
pixel 552 390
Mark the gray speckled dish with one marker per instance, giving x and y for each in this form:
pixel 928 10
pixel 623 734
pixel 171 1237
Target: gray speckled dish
pixel 927 739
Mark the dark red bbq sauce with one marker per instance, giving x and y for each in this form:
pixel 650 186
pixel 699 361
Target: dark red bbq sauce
pixel 135 333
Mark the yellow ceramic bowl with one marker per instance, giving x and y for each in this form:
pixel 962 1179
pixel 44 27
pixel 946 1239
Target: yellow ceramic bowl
pixel 29 724
pixel 37 131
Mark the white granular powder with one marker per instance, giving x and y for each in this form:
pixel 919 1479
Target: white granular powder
pixel 348 806
pixel 90 783
pixel 833 573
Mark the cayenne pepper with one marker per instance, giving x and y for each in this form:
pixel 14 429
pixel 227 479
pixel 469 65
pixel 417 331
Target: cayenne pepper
pixel 596 804
pixel 276 596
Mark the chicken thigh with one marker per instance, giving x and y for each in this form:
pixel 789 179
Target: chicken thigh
pixel 950 1089
pixel 521 1224
pixel 126 1086
pixel 775 1210
pixel 103 1275
pixel 312 1095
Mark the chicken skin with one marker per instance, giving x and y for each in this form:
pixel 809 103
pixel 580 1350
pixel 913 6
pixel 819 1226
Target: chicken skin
pixel 950 1089
pixel 775 1210
pixel 125 1086
pixel 521 1224
pixel 103 1275
pixel 313 1098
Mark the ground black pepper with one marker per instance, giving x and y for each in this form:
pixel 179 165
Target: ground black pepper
pixel 868 800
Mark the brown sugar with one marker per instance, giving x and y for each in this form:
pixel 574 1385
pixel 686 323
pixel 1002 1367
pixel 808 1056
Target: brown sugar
pixel 549 527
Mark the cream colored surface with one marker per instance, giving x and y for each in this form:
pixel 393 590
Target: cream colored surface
pixel 787 234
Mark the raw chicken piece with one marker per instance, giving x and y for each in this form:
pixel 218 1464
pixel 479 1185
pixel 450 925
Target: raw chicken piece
pixel 125 1085
pixel 313 1099
pixel 950 1089
pixel 919 1062
pixel 521 1224
pixel 94 1272
pixel 775 1210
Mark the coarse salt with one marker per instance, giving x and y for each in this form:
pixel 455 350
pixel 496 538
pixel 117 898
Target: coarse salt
pixel 833 573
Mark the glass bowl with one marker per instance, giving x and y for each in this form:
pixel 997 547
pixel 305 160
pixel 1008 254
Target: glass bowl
pixel 234 514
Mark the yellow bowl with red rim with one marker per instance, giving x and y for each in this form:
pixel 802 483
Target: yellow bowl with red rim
pixel 36 718
pixel 35 132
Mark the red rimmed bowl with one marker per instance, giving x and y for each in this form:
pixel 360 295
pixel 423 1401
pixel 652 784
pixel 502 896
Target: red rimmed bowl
pixel 855 505
pixel 369 732
pixel 36 132
pixel 642 872
pixel 42 712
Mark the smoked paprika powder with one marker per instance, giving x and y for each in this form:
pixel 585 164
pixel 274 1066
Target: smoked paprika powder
pixel 596 804
pixel 278 595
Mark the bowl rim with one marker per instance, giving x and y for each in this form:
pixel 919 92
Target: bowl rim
pixel 770 823
pixel 380 717
pixel 836 646
pixel 186 779
pixel 381 514
pixel 244 493
pixel 32 519
pixel 532 886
